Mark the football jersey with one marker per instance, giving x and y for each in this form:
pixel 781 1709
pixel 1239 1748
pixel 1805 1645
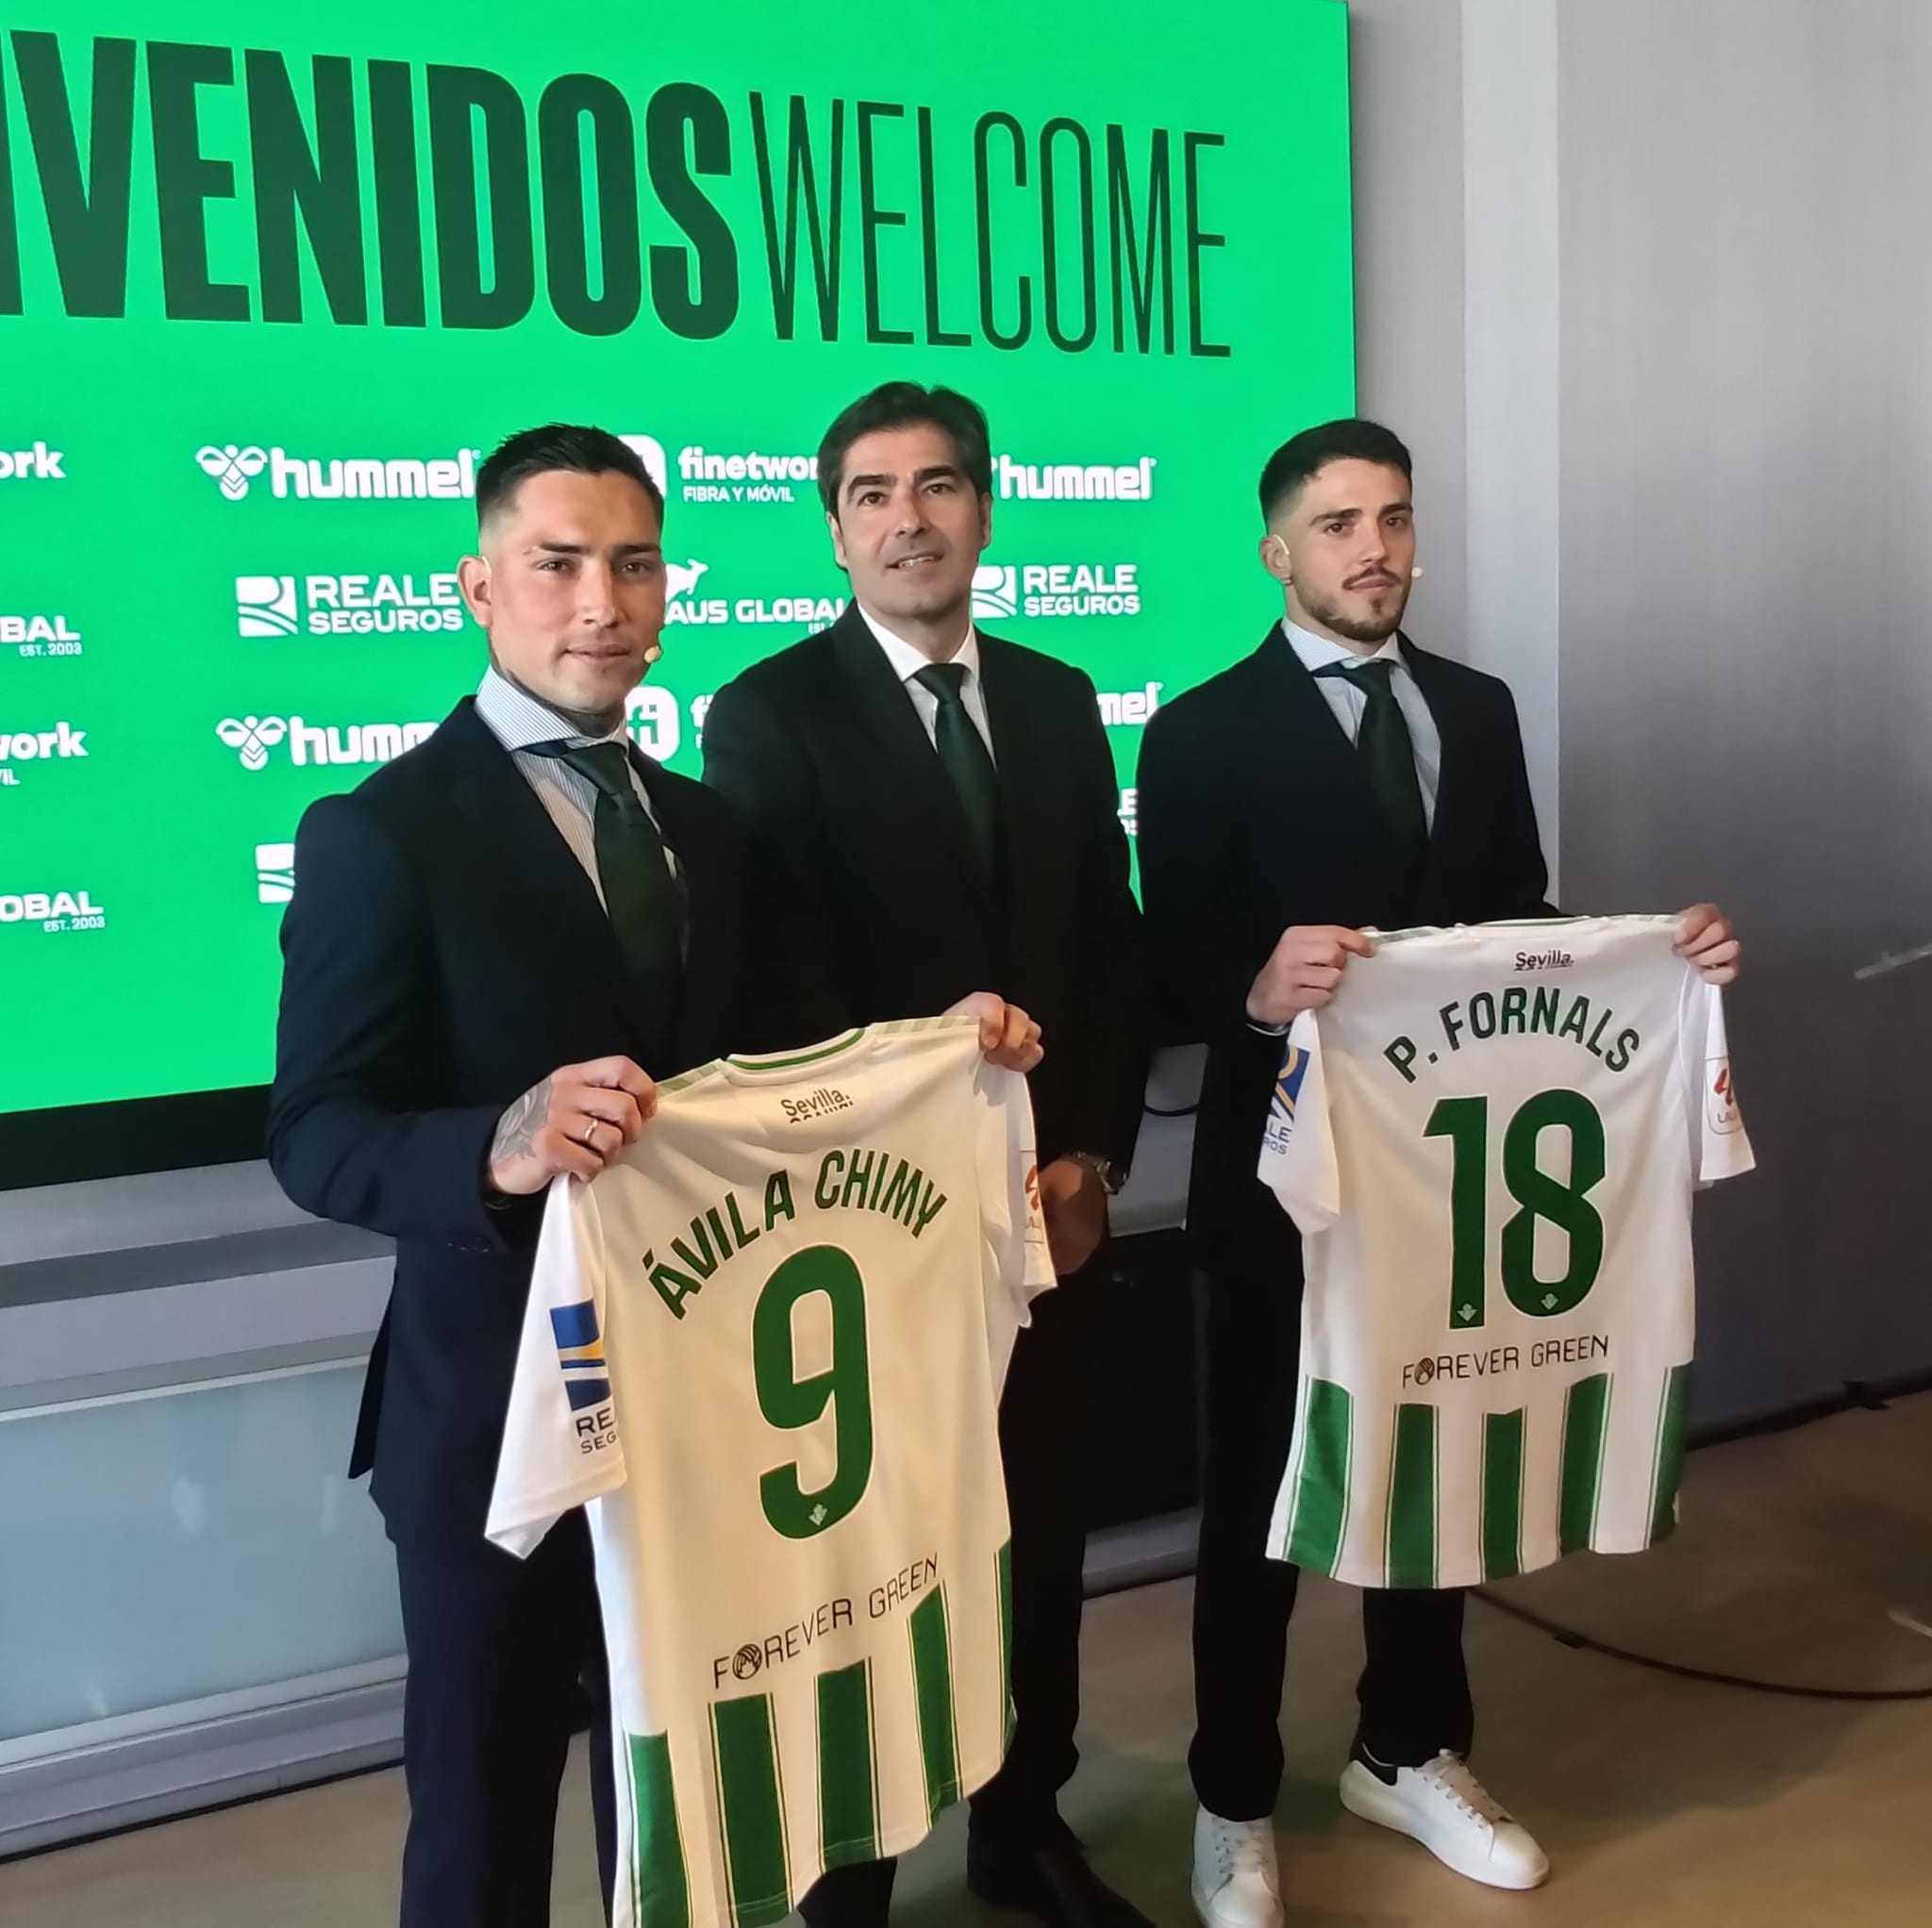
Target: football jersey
pixel 765 1349
pixel 1490 1139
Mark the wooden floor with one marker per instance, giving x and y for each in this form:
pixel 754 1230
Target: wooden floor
pixel 1660 1802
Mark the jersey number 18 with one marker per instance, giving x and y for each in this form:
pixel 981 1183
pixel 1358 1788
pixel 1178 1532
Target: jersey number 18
pixel 1465 1122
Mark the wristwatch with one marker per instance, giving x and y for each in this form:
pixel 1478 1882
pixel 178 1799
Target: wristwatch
pixel 1109 1174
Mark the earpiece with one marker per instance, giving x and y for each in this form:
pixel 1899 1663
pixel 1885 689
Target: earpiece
pixel 1415 575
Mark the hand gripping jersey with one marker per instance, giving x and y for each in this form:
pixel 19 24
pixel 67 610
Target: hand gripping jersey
pixel 766 1349
pixel 1489 1142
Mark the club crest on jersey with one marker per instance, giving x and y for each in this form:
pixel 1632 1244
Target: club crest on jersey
pixel 580 1353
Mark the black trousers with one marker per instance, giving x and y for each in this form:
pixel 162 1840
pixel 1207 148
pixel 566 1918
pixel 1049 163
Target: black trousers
pixel 502 1654
pixel 1414 1689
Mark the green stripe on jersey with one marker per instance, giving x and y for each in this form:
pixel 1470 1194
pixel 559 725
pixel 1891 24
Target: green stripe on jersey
pixel 831 1048
pixel 751 1805
pixel 1411 1550
pixel 1503 1436
pixel 660 1888
pixel 932 1691
pixel 848 1767
pixel 1320 1515
pixel 1586 1433
pixel 1668 1468
pixel 1003 1572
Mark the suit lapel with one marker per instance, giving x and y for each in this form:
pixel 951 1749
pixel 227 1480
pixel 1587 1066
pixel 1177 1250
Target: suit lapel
pixel 1024 806
pixel 1452 777
pixel 539 877
pixel 706 916
pixel 886 714
pixel 1320 760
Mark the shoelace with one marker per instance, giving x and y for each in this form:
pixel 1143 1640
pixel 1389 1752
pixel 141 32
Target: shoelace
pixel 1241 1851
pixel 1456 1781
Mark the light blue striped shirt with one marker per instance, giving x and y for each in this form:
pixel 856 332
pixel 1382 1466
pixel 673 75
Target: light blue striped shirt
pixel 518 720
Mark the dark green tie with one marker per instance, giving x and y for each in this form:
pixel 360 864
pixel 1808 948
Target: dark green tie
pixel 967 762
pixel 640 896
pixel 1389 753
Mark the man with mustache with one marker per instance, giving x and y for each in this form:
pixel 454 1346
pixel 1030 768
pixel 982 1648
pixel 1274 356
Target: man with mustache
pixel 1338 778
pixel 940 807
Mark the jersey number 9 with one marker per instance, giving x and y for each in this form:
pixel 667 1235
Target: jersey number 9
pixel 790 1403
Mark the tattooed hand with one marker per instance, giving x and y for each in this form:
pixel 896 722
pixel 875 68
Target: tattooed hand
pixel 576 1121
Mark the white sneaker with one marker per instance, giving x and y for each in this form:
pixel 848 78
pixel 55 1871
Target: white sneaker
pixel 1445 1807
pixel 1237 1881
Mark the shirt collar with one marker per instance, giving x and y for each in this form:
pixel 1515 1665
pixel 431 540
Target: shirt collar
pixel 1318 652
pixel 907 661
pixel 518 719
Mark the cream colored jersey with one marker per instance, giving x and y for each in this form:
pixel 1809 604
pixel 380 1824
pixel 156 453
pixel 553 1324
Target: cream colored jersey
pixel 765 1349
pixel 1489 1141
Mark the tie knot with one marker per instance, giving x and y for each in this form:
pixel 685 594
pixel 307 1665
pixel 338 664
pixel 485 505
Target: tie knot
pixel 606 765
pixel 947 681
pixel 1373 678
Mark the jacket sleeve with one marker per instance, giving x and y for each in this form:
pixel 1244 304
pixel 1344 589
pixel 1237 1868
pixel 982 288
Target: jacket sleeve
pixel 1191 838
pixel 346 1139
pixel 1111 1076
pixel 756 765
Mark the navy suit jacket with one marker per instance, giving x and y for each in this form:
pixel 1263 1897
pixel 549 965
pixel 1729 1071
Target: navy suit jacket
pixel 1256 814
pixel 444 952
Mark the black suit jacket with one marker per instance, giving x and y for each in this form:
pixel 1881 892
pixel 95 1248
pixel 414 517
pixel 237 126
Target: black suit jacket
pixel 826 759
pixel 1256 814
pixel 444 952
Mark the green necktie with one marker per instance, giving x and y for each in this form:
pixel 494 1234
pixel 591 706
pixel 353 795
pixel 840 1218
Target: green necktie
pixel 1388 753
pixel 967 762
pixel 640 896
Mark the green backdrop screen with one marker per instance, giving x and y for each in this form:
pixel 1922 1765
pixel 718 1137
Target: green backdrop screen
pixel 271 283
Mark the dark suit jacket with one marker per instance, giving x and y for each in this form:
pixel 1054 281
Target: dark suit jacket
pixel 1256 814
pixel 444 952
pixel 825 757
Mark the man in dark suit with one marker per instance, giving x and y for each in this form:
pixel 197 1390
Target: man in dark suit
pixel 1339 778
pixel 523 903
pixel 943 810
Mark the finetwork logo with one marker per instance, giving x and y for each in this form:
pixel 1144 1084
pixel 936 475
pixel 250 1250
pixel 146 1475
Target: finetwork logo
pixel 59 744
pixel 53 910
pixel 1074 481
pixel 794 612
pixel 747 476
pixel 274 872
pixel 651 716
pixel 284 605
pixel 36 464
pixel 1056 588
pixel 333 745
pixel 236 467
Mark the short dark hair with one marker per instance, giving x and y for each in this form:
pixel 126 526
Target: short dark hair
pixel 906 404
pixel 1301 457
pixel 557 445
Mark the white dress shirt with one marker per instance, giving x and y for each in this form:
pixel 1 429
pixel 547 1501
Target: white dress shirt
pixel 1349 705
pixel 518 720
pixel 906 663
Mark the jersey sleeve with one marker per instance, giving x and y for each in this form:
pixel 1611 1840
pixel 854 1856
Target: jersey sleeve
pixel 1719 1147
pixel 560 1443
pixel 1298 1145
pixel 1016 1264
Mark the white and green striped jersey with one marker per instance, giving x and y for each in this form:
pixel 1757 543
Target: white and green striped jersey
pixel 1489 1141
pixel 765 1349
